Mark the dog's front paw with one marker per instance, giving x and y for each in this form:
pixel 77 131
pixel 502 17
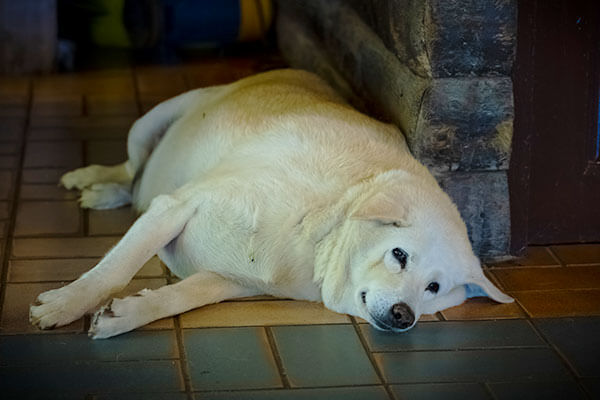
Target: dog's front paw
pixel 116 317
pixel 56 308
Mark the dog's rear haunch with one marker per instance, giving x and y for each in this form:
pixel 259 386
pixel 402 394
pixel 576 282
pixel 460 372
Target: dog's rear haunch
pixel 271 185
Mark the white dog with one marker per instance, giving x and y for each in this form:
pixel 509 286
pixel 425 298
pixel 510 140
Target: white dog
pixel 271 185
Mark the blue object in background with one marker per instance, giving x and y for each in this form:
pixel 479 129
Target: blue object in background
pixel 192 22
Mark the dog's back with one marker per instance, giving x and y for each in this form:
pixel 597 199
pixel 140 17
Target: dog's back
pixel 287 120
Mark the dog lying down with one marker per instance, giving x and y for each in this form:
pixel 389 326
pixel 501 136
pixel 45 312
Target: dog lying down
pixel 271 185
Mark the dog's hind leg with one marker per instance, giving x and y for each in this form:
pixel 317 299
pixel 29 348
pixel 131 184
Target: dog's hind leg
pixel 82 178
pixel 143 136
pixel 123 315
pixel 61 306
pixel 147 131
pixel 103 196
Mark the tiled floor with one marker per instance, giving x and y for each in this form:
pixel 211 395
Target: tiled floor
pixel 546 345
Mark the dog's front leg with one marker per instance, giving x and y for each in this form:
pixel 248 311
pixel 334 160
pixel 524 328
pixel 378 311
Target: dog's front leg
pixel 163 221
pixel 123 315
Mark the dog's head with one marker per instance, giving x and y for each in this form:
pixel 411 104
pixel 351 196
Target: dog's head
pixel 406 253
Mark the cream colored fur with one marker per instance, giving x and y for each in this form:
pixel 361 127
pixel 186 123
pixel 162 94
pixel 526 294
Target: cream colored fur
pixel 270 185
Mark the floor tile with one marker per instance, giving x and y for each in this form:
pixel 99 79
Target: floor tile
pixel 53 154
pixel 82 128
pixel 230 358
pixel 558 390
pixel 578 253
pixel 69 105
pixel 342 393
pixel 142 396
pixel 9 162
pixel 559 303
pixel 12 110
pixel 323 355
pixel 592 387
pixel 45 349
pixel 109 104
pixel 160 81
pixel 97 82
pixel 454 336
pixel 43 175
pixel 4 210
pixel 578 339
pixel 153 268
pixel 517 279
pixel 482 308
pixel 63 247
pixel 6 184
pixel 535 257
pixel 48 217
pixel 92 377
pixel 49 270
pixel 263 313
pixel 66 269
pixel 15 313
pixel 110 222
pixel 446 391
pixel 46 192
pixel 106 152
pixel 12 128
pixel 9 147
pixel 470 366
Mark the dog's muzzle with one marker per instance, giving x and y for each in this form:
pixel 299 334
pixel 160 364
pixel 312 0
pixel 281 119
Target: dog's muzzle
pixel 399 318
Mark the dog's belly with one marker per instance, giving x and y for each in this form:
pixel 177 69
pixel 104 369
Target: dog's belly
pixel 278 264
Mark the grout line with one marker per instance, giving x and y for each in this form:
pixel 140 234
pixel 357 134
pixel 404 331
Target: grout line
pixel 277 357
pixel 488 390
pixel 183 362
pixel 84 212
pixel 554 256
pixel 16 180
pixel 378 372
pixel 84 106
pixel 136 92
pixel 563 358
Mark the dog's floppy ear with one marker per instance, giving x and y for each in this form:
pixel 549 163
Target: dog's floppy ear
pixel 383 207
pixel 477 285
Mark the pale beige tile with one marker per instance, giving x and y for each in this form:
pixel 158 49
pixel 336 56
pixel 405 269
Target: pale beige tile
pixel 260 313
pixel 63 247
pixel 482 308
pixel 69 269
pixel 153 268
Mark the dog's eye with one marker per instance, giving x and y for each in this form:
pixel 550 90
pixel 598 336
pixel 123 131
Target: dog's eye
pixel 401 256
pixel 433 287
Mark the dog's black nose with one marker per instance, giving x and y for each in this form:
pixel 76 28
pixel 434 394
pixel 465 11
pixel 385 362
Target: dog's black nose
pixel 402 316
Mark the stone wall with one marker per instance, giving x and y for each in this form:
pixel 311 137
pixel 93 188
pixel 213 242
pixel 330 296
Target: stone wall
pixel 440 70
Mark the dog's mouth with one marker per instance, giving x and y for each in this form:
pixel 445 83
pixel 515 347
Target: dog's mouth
pixel 379 324
pixel 373 320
